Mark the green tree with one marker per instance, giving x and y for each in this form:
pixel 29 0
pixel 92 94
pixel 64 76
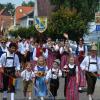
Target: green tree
pixel 24 32
pixel 87 8
pixel 76 24
pixel 1 6
pixel 30 3
pixel 10 8
pixel 67 20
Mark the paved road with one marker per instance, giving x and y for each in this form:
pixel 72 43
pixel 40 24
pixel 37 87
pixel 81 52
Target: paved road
pixel 83 96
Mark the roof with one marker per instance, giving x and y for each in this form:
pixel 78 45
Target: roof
pixel 5 12
pixel 30 13
pixel 2 11
pixel 22 11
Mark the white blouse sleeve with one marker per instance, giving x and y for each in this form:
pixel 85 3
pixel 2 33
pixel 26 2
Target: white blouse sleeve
pixel 48 76
pixel 60 73
pixel 45 54
pixel 2 60
pixel 46 70
pixel 35 69
pixel 33 75
pixel 61 50
pixel 34 55
pixel 23 74
pixel 17 63
pixel 84 63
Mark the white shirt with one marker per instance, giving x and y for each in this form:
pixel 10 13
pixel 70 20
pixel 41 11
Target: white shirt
pixel 9 62
pixel 45 54
pixel 21 48
pixel 61 50
pixel 93 67
pixel 27 75
pixel 56 47
pixel 36 69
pixel 26 44
pixel 71 66
pixel 82 49
pixel 53 75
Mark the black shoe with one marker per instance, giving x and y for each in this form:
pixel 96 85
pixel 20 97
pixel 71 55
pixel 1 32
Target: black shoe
pixel 4 99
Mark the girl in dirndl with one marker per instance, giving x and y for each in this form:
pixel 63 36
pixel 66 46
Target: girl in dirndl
pixel 40 71
pixel 72 80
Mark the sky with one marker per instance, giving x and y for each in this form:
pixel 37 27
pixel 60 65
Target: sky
pixel 16 2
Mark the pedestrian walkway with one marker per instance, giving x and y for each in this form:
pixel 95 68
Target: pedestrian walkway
pixel 83 96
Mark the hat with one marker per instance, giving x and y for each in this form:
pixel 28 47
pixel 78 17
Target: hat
pixel 57 61
pixel 94 48
pixel 3 39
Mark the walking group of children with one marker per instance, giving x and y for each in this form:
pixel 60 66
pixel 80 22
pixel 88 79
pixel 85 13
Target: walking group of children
pixel 44 79
pixel 40 76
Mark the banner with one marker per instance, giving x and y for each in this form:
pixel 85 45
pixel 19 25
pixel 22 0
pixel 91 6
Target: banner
pixel 40 24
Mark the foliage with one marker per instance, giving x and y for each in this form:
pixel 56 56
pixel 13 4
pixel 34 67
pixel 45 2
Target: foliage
pixel 30 3
pixel 9 7
pixel 66 20
pixel 57 2
pixel 1 6
pixel 87 8
pixel 72 16
pixel 24 32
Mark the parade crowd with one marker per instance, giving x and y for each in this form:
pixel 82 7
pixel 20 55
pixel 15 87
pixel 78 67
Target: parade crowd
pixel 41 65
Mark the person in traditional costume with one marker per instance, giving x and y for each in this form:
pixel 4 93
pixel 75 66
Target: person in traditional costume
pixel 56 47
pixel 81 52
pixel 23 49
pixel 72 80
pixel 9 66
pixel 3 49
pixel 28 80
pixel 39 51
pixel 65 51
pixel 40 71
pixel 91 65
pixel 50 48
pixel 53 75
pixel 31 48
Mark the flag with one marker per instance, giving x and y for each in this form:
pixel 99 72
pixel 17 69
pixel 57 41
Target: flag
pixel 41 24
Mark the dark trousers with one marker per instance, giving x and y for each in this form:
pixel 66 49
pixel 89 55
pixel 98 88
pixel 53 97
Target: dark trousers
pixel 54 85
pixel 8 79
pixel 91 81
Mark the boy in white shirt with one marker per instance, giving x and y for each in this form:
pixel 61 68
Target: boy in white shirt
pixel 53 74
pixel 28 80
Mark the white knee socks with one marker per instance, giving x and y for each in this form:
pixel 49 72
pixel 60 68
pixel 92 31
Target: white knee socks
pixel 12 96
pixel 5 94
pixel 41 98
pixel 90 97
